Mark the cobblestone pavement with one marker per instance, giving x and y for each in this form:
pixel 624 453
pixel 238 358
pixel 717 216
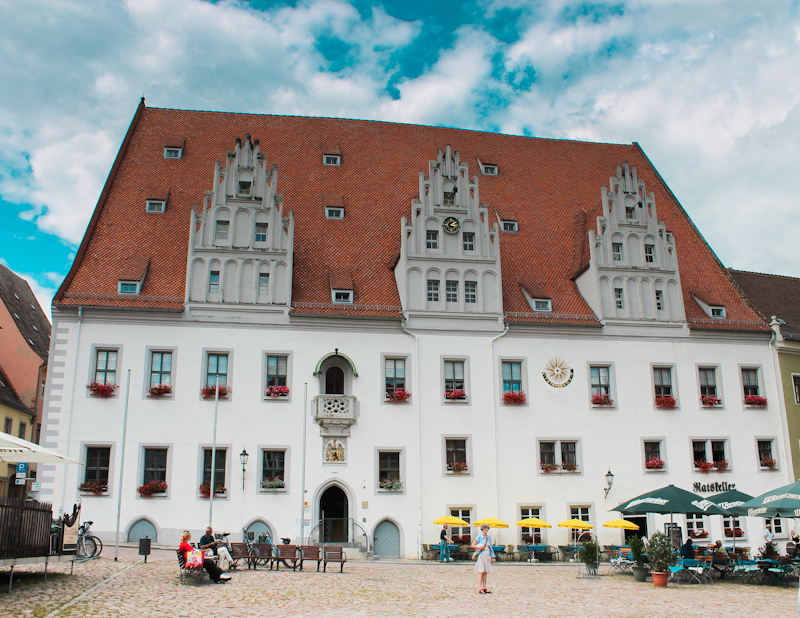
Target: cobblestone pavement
pixel 368 589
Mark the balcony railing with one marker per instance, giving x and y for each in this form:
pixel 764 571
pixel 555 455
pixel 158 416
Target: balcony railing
pixel 335 413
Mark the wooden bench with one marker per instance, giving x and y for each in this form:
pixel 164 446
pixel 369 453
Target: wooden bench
pixel 286 554
pixel 185 573
pixel 333 554
pixel 262 553
pixel 241 552
pixel 310 553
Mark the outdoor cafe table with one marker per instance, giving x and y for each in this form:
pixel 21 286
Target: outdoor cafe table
pixel 568 551
pixel 772 572
pixel 533 549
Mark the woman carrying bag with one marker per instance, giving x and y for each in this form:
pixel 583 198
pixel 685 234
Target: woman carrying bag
pixel 483 565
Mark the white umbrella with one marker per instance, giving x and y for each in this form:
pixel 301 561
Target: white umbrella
pixel 14 450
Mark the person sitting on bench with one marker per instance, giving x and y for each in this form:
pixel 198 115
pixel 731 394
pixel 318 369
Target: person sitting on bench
pixel 212 569
pixel 218 548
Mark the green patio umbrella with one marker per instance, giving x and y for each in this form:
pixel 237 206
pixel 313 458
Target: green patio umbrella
pixel 781 502
pixel 670 499
pixel 732 502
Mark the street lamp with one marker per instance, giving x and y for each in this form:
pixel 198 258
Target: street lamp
pixel 609 481
pixel 243 457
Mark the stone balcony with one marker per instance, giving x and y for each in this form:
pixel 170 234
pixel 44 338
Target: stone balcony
pixel 335 414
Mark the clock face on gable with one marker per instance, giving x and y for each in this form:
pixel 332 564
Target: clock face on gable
pixel 451 225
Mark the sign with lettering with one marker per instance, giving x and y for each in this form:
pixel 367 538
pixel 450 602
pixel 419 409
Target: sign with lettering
pixel 713 488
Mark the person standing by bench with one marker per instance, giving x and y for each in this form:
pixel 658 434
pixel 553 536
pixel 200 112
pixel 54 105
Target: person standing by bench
pixel 212 569
pixel 217 547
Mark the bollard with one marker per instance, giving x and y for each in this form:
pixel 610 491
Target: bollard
pixel 144 547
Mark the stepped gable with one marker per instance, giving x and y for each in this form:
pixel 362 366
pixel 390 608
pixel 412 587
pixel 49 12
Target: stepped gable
pixel 541 184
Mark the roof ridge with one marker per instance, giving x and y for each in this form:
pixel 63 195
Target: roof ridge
pixel 753 272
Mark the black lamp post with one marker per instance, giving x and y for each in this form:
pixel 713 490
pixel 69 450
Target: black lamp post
pixel 609 481
pixel 243 457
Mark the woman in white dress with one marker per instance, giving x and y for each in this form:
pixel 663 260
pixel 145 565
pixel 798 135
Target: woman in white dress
pixel 483 566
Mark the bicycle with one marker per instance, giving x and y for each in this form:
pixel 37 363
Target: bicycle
pixel 89 546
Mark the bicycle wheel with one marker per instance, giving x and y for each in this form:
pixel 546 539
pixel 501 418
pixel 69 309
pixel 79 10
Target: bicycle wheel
pixel 98 547
pixel 86 547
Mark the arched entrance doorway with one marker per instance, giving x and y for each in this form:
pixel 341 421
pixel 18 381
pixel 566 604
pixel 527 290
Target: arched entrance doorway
pixel 386 542
pixel 333 514
pixel 334 381
pixel 141 529
pixel 260 532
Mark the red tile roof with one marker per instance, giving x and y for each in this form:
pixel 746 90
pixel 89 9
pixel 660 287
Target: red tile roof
pixel 551 187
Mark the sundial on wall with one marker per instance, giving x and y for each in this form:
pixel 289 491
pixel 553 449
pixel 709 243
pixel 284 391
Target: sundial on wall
pixel 557 373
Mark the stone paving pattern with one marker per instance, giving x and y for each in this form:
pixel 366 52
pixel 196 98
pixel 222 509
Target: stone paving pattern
pixel 370 589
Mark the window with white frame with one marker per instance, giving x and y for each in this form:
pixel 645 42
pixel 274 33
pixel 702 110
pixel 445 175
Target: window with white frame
pixel 512 376
pixel 461 534
pixel 652 455
pixel 453 376
pixel 343 297
pixel 649 254
pixel 619 301
pixel 659 300
pixel 717 312
pixel 796 384
pixel 600 377
pixel 630 212
pixel 222 230
pixel 97 464
pixel 695 524
pixel 582 513
pixel 456 454
pixel 263 283
pixel 388 469
pixel 662 381
pixel 541 304
pixel 276 370
pixel 395 375
pixel 213 282
pixel 156 206
pixel 219 468
pixel 616 251
pixel 273 469
pixel 173 153
pixel 469 241
pixel 470 292
pixel 777 525
pixel 433 291
pixel 129 288
pixel 731 526
pixel 558 454
pixel 261 232
pixel 217 370
pixel 717 449
pixel 160 368
pixel 245 188
pixel 750 382
pixel 449 198
pixel 8 426
pixel 331 160
pixel 105 371
pixel 155 465
pixel 451 291
pixel 510 226
pixel 708 381
pixel 766 459
pixel 332 212
pixel 489 170
pixel 432 239
pixel 528 534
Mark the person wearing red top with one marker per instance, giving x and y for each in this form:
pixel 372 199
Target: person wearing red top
pixel 214 572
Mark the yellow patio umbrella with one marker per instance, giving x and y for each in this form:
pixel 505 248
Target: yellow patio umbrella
pixel 451 521
pixel 491 522
pixel 577 524
pixel 624 524
pixel 533 522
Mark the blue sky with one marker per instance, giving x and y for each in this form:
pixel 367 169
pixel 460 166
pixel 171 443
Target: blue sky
pixel 709 88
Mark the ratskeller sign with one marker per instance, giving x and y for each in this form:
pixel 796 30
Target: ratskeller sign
pixel 715 487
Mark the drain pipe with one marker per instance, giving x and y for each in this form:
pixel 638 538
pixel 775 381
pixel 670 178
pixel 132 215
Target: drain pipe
pixel 415 402
pixel 776 371
pixel 72 400
pixel 494 421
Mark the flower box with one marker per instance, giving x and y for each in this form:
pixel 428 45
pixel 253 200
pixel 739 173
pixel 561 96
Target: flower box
pixel 457 467
pixel 93 487
pixel 159 390
pixel 103 391
pixel 205 490
pixel 398 396
pixel 755 401
pixel 391 484
pixel 698 534
pixel 273 482
pixel 729 532
pixel 274 391
pixel 569 467
pixel 769 463
pixel 710 402
pixel 549 467
pixel 462 540
pixel 654 463
pixel 516 398
pixel 602 400
pixel 208 392
pixel 722 465
pixel 666 402
pixel 152 487
pixel 453 395
pixel 704 466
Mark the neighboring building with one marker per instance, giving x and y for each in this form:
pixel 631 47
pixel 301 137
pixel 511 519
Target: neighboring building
pixel 777 299
pixel 502 281
pixel 18 420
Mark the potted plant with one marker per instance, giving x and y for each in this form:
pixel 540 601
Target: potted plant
pixel 272 482
pixel 698 533
pixel 666 402
pixel 602 400
pixel 457 467
pixel 104 391
pixel 755 401
pixel 704 466
pixel 516 398
pixel 640 571
pixel 208 392
pixel 654 463
pixel 159 390
pixel 589 554
pixel 205 490
pixel 709 401
pixel 769 552
pixel 398 395
pixel 660 555
pixel 569 467
pixel 729 532
pixel 93 487
pixel 549 467
pixel 152 487
pixel 391 484
pixel 721 465
pixel 453 395
pixel 272 391
pixel 766 462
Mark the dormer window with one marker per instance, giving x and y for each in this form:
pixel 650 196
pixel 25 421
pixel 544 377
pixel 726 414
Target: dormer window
pixel 717 312
pixel 331 160
pixel 245 187
pixel 489 170
pixel 343 297
pixel 649 254
pixel 541 304
pixel 334 212
pixel 449 198
pixel 156 206
pixel 173 153
pixel 223 228
pixel 130 288
pixel 510 226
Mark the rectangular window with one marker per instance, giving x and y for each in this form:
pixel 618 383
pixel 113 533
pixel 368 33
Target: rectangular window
pixel 8 426
pixel 223 227
pixel 433 291
pixel 395 375
pixel 510 226
pixel 530 535
pixel 717 312
pixel 388 466
pixel 601 380
pixel 276 370
pixel 263 283
pixel 106 367
pixel 718 450
pixel 512 377
pixel 449 198
pixel 128 287
pixel 453 376
pixel 160 368
pixel 699 450
pixel 172 153
pixel 432 239
pixel 649 254
pixel 331 160
pixel 659 300
pixel 97 459
pixel 461 534
pixel 750 381
pixel 217 371
pixel 694 521
pixel 451 291
pixel 708 382
pixel 490 170
pixel 219 472
pixel 156 206
pixel 155 465
pixel 581 513
pixel 616 251
pixel 272 466
pixel 456 452
pixel 652 450
pixel 245 188
pixel 334 213
pixel 22 429
pixel 777 525
pixel 541 304
pixel 618 300
pixel 662 379
pixel 470 292
pixel 547 453
pixel 343 297
pixel 213 282
pixel 261 232
pixel 765 453
pixel 795 382
pixel 469 241
pixel 569 455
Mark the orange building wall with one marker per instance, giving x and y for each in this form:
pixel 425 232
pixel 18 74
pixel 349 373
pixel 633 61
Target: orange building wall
pixel 19 362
